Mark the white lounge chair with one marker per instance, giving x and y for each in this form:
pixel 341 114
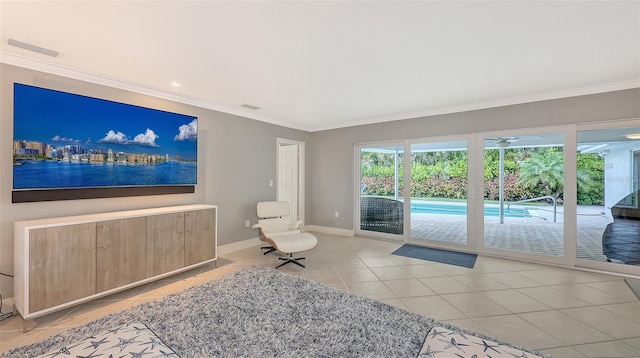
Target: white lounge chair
pixel 274 221
pixel 275 227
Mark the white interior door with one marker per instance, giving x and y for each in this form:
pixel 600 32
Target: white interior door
pixel 290 183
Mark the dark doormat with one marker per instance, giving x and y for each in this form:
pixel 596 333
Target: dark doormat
pixel 443 256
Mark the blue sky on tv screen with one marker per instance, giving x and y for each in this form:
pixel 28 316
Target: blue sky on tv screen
pixel 60 118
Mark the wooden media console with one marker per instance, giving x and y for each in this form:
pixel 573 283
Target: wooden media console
pixel 62 262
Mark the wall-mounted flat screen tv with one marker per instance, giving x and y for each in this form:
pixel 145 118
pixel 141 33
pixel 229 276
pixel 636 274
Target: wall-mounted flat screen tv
pixel 68 146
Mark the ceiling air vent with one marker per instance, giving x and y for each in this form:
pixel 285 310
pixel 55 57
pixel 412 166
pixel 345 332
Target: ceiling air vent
pixel 250 106
pixel 34 48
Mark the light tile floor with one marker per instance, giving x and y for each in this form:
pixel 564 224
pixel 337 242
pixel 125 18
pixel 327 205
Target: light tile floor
pixel 563 312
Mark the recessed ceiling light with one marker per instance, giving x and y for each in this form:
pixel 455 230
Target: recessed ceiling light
pixel 175 84
pixel 633 136
pixel 250 106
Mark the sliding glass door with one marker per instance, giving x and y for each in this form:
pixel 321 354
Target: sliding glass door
pixel 608 214
pixel 515 194
pixel 523 194
pixel 438 204
pixel 380 204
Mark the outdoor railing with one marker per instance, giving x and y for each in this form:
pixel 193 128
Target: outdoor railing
pixel 555 204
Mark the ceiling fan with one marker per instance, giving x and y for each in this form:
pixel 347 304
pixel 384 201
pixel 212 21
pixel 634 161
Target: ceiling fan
pixel 503 142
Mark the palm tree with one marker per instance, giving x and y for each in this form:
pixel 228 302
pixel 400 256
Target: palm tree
pixel 547 169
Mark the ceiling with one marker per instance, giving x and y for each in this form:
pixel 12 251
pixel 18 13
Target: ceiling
pixel 322 65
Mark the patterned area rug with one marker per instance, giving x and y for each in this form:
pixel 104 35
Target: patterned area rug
pixel 128 340
pixel 260 312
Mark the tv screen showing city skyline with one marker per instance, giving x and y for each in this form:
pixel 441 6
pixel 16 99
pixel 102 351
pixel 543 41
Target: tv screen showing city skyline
pixel 65 140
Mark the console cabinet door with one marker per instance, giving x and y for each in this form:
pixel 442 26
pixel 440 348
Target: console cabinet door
pixel 199 236
pixel 62 265
pixel 165 243
pixel 121 252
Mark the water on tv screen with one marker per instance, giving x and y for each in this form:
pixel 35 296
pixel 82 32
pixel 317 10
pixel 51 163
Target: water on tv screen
pixel 69 146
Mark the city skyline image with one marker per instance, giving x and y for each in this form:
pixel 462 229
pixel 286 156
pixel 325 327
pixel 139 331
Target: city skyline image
pixel 65 140
pixel 60 118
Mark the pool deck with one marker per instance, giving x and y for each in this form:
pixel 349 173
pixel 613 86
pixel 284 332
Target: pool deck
pixel 538 235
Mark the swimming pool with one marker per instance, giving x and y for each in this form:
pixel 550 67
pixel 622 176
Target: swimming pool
pixel 461 209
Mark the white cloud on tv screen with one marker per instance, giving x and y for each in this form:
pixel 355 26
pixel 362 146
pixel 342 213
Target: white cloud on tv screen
pixel 58 138
pixel 187 131
pixel 148 138
pixel 114 137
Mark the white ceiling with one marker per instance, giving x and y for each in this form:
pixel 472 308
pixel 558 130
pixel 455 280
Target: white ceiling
pixel 321 65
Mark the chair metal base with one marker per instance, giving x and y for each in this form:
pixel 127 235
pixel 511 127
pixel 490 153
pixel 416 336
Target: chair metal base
pixel 268 248
pixel 291 259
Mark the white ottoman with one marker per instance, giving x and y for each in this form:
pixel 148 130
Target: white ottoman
pixel 291 244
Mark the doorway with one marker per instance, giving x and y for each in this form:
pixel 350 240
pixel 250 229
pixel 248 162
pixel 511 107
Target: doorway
pixel 525 194
pixel 290 176
pixel 523 180
pixel 379 192
pixel 607 233
pixel 481 193
pixel 438 208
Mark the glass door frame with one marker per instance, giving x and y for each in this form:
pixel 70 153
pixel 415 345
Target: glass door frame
pixel 475 194
pixel 471 244
pixel 357 160
pixel 633 270
pixel 569 227
pixel 475 189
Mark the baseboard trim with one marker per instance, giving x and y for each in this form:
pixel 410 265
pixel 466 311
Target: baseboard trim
pixel 330 230
pixel 245 244
pixel 236 246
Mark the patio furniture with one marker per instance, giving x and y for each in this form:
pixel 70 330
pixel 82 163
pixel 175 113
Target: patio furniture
pixel 621 238
pixel 273 221
pixel 381 215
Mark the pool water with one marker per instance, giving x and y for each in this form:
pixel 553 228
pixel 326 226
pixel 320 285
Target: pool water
pixel 457 209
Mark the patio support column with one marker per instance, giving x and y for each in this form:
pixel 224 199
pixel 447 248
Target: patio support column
pixel 397 180
pixel 501 191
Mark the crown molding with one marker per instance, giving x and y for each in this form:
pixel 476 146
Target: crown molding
pixel 73 73
pixel 65 71
pixel 610 87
